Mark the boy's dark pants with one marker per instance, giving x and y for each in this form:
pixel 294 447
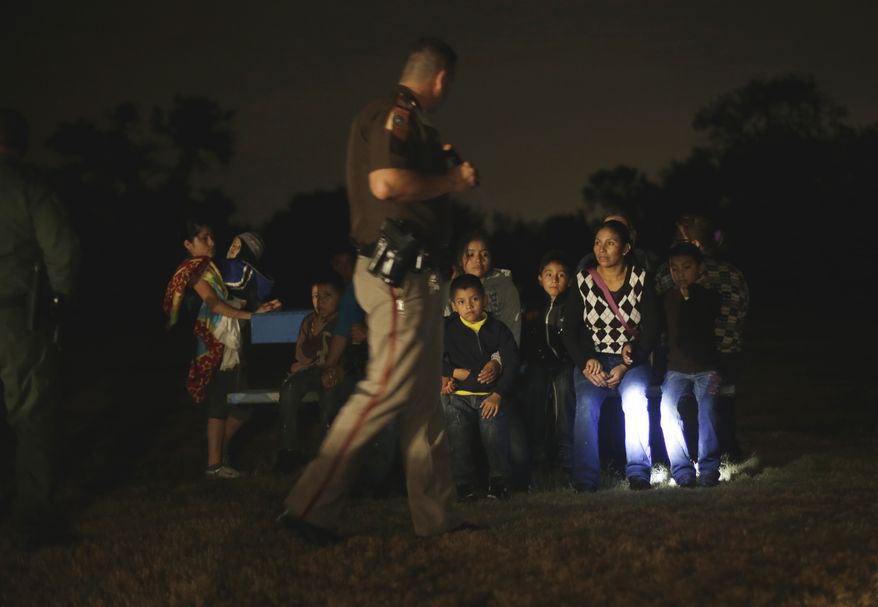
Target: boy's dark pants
pixel 463 418
pixel 551 405
pixel 292 392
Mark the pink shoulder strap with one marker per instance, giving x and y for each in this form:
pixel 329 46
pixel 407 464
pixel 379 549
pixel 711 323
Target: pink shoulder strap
pixel 609 297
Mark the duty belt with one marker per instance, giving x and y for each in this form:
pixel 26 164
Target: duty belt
pixel 368 250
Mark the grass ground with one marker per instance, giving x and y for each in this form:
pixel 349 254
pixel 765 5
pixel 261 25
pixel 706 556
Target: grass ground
pixel 796 524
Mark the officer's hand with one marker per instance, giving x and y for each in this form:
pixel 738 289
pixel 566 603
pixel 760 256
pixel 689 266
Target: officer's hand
pixel 463 177
pixel 448 386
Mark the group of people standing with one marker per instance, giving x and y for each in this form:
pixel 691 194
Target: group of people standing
pixel 619 325
pixel 601 329
pixel 214 301
pixel 39 263
pixel 622 321
pixel 597 335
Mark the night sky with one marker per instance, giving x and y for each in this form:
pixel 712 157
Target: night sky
pixel 545 94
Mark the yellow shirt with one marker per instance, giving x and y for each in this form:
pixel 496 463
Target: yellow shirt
pixel 475 326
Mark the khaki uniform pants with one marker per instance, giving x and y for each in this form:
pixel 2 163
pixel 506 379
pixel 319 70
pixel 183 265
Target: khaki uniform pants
pixel 28 365
pixel 403 380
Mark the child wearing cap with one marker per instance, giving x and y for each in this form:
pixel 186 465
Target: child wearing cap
pixel 242 278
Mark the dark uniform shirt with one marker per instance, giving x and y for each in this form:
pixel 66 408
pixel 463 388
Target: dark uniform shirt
pixel 33 228
pixel 392 133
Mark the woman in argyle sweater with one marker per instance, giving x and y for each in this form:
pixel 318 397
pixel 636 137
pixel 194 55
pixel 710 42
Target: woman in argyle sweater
pixel 609 331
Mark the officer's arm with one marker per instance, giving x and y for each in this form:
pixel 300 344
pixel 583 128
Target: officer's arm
pixel 57 241
pixel 405 185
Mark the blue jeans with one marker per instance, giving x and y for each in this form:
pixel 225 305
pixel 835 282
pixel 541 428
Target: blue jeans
pixel 462 418
pixel 704 387
pixel 589 401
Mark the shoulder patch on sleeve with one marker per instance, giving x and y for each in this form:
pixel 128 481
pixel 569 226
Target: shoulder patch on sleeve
pixel 398 123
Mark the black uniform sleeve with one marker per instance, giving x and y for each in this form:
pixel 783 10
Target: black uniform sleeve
pixel 577 337
pixel 390 148
pixel 58 242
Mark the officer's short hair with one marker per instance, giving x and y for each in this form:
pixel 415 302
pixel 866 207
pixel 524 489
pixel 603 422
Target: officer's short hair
pixel 467 281
pixel 13 130
pixel 427 57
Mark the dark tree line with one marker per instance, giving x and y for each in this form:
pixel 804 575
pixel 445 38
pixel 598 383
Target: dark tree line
pixel 779 167
pixel 781 171
pixel 127 183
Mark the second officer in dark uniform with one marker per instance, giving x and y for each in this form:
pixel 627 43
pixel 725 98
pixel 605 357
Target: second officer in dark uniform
pixel 38 249
pixel 397 170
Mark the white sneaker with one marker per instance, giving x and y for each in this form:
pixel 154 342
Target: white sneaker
pixel 221 472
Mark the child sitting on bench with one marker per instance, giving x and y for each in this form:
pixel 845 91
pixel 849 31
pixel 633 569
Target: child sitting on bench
pixel 312 347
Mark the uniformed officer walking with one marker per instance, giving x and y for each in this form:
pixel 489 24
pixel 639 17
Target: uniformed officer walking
pixel 36 243
pixel 396 170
